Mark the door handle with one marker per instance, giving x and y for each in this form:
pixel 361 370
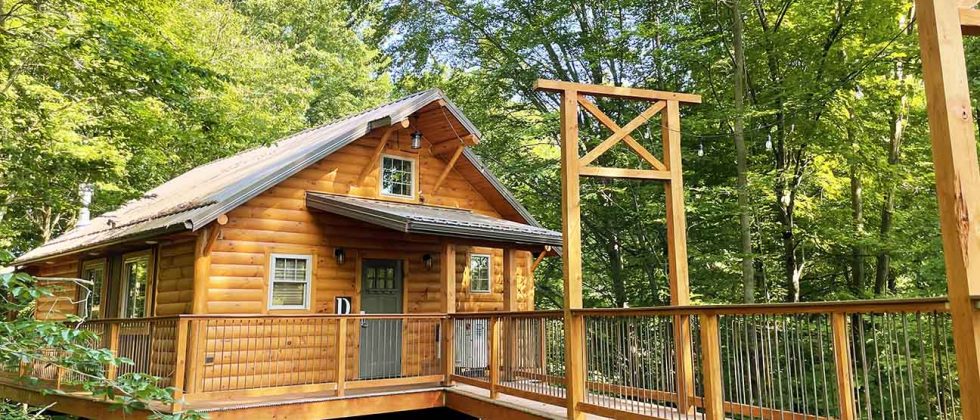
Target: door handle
pixel 364 323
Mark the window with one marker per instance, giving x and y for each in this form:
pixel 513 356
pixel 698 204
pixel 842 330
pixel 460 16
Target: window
pixel 90 305
pixel 480 273
pixel 397 176
pixel 136 284
pixel 289 279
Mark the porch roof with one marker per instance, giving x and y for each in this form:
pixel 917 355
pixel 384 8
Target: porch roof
pixel 432 220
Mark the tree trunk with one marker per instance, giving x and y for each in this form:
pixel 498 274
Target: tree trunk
pixel 741 159
pixel 857 218
pixel 883 274
pixel 615 255
pixel 857 212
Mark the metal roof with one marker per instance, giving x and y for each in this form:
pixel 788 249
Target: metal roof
pixel 432 220
pixel 197 197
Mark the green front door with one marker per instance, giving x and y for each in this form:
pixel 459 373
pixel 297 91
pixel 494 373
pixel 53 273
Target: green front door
pixel 381 339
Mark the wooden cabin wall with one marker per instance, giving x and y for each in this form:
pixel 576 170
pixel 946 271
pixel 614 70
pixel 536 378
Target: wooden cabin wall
pixel 63 293
pixel 277 221
pixel 175 278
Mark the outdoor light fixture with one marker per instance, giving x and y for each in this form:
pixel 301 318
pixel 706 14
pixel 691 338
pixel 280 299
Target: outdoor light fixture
pixel 339 254
pixel 417 140
pixel 427 260
pixel 416 135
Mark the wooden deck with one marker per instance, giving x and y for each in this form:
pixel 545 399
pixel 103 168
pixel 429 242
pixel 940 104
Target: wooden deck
pixel 791 356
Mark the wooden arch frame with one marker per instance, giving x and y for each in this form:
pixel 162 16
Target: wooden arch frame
pixel 668 171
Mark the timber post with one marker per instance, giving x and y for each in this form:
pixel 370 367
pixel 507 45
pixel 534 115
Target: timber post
pixel 493 346
pixel 509 329
pixel 942 24
pixel 114 348
pixel 842 360
pixel 714 398
pixel 341 368
pixel 195 349
pixel 447 263
pixel 571 218
pixel 669 171
pixel 680 294
pixel 180 364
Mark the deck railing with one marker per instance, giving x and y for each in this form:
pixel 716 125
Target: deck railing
pixel 871 359
pixel 848 360
pixel 279 354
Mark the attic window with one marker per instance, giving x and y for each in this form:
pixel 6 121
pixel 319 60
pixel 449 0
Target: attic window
pixel 397 176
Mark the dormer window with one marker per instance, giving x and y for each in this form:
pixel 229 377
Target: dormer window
pixel 397 176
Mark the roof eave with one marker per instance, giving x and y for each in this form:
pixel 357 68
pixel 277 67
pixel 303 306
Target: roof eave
pixel 148 234
pixel 423 227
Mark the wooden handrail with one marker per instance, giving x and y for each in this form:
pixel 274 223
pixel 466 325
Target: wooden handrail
pixel 510 314
pixel 849 307
pixel 314 316
pixel 936 304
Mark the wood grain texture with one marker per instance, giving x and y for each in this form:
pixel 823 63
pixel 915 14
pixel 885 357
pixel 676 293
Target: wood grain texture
pixel 954 153
pixel 175 279
pixel 63 293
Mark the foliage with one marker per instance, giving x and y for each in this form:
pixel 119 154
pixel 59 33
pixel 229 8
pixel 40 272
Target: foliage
pixel 24 340
pixel 827 84
pixel 126 94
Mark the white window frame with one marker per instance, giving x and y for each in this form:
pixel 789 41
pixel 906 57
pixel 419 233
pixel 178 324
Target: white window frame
pixel 489 258
pixel 307 283
pixel 98 263
pixel 381 175
pixel 125 303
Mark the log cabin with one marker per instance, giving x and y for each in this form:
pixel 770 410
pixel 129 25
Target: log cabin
pixel 293 227
pixel 387 211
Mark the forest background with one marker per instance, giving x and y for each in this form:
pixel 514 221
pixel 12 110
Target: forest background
pixel 808 172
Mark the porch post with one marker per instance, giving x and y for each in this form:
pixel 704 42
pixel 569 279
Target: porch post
pixel 447 264
pixel 571 222
pixel 954 152
pixel 677 254
pixel 510 324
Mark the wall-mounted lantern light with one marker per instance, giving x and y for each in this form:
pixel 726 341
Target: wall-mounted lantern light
pixel 427 260
pixel 340 255
pixel 417 140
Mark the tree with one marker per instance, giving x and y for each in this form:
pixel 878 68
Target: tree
pixel 125 95
pixel 802 62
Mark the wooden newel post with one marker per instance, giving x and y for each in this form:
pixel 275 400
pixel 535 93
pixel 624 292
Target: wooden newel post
pixel 842 359
pixel 494 357
pixel 180 365
pixel 714 398
pixel 341 355
pixel 448 350
pixel 195 351
pixel 114 348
